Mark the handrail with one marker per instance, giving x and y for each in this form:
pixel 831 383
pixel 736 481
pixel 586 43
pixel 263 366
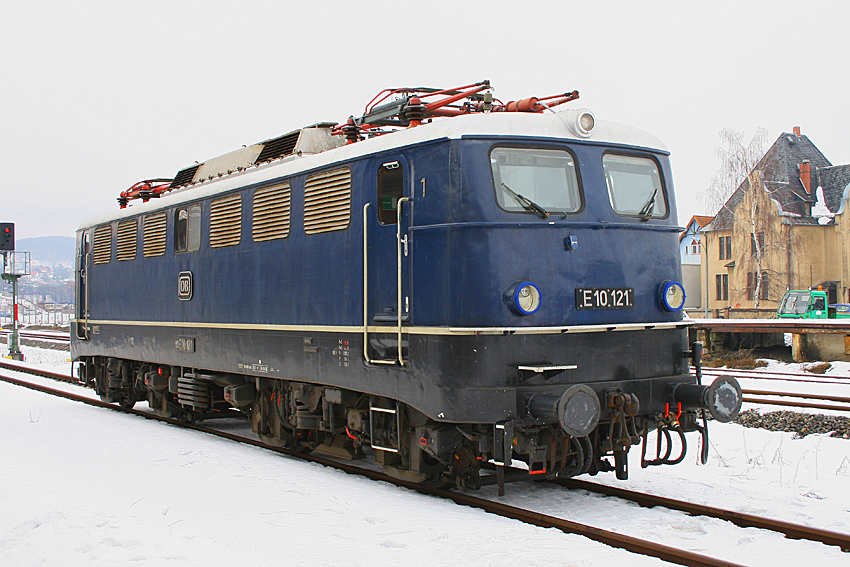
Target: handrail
pixel 398 283
pixel 366 293
pixel 366 283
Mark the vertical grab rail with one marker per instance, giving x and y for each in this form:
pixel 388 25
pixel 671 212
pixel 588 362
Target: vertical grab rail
pixel 398 282
pixel 366 284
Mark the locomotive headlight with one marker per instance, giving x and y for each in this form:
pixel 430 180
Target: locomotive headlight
pixel 523 298
pixel 580 121
pixel 672 296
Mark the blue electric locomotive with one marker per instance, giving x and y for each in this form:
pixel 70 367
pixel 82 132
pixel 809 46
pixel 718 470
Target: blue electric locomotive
pixel 448 282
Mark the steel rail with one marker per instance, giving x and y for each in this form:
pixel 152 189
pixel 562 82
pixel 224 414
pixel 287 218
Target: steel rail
pixel 792 531
pixel 779 376
pixel 792 404
pixel 39 336
pixel 823 397
pixel 613 539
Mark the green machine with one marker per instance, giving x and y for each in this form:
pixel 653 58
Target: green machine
pixel 808 304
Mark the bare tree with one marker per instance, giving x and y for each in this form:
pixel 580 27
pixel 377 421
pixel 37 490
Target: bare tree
pixel 744 205
pixel 737 161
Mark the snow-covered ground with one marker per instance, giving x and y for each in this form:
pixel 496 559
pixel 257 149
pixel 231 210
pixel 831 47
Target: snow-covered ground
pixel 86 486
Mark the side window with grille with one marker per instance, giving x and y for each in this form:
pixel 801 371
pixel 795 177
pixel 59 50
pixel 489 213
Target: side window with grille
pixel 271 210
pixel 187 228
pixel 102 251
pixel 153 235
pixel 128 240
pixel 327 201
pixel 226 221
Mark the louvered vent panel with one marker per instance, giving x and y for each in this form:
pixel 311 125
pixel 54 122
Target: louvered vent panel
pixel 184 176
pixel 271 213
pixel 128 234
pixel 102 244
pixel 226 221
pixel 154 235
pixel 327 201
pixel 279 147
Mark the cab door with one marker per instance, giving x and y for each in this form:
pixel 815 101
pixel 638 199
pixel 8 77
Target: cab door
pixel 387 311
pixel 81 303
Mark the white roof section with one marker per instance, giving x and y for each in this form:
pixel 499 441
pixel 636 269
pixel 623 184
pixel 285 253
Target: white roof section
pixel 511 124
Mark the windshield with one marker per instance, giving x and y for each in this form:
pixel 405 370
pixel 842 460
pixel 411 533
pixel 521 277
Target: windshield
pixel 634 186
pixel 531 179
pixel 795 304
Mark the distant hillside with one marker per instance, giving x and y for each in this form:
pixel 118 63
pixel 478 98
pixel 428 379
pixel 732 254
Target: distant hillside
pixel 48 250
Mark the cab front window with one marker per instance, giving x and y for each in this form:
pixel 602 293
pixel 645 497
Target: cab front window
pixel 795 304
pixel 535 180
pixel 634 186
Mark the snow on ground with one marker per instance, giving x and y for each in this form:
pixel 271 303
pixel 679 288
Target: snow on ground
pixel 86 486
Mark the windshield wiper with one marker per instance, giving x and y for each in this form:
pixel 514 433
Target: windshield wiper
pixel 527 203
pixel 646 212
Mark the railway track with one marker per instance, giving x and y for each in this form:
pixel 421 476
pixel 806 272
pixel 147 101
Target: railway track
pixel 614 539
pixel 36 336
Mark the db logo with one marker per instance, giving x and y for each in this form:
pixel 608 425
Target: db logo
pixel 184 286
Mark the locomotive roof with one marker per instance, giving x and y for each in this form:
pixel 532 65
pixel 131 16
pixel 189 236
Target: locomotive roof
pixel 499 124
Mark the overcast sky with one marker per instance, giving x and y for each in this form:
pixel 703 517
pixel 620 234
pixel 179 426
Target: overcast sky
pixel 98 95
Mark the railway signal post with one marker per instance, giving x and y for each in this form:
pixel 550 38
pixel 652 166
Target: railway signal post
pixel 15 265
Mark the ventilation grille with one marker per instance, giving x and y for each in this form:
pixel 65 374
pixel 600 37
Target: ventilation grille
pixel 102 244
pixel 154 235
pixel 226 221
pixel 184 176
pixel 128 234
pixel 279 147
pixel 327 201
pixel 271 213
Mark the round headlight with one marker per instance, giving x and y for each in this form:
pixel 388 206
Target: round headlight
pixel 581 121
pixel 672 296
pixel 524 298
pixel 587 122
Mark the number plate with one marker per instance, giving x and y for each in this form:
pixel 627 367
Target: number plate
pixel 605 298
pixel 186 344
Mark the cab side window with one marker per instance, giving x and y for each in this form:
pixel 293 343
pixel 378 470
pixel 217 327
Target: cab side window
pixel 390 190
pixel 187 228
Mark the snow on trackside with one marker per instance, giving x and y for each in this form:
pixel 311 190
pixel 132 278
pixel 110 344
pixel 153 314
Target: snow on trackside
pixel 87 486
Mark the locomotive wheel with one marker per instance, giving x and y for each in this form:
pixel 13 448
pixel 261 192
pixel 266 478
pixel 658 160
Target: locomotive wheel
pixel 128 398
pixel 102 389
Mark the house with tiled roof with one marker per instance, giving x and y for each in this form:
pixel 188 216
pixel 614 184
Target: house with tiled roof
pixel 785 227
pixel 690 252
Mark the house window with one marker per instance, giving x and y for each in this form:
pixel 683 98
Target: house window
pixel 695 247
pixel 760 243
pixel 764 286
pixel 722 281
pixel 725 247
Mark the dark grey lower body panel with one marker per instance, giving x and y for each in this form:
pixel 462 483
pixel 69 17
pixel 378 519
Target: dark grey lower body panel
pixel 460 378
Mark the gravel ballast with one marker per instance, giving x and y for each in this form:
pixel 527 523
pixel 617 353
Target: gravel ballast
pixel 800 423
